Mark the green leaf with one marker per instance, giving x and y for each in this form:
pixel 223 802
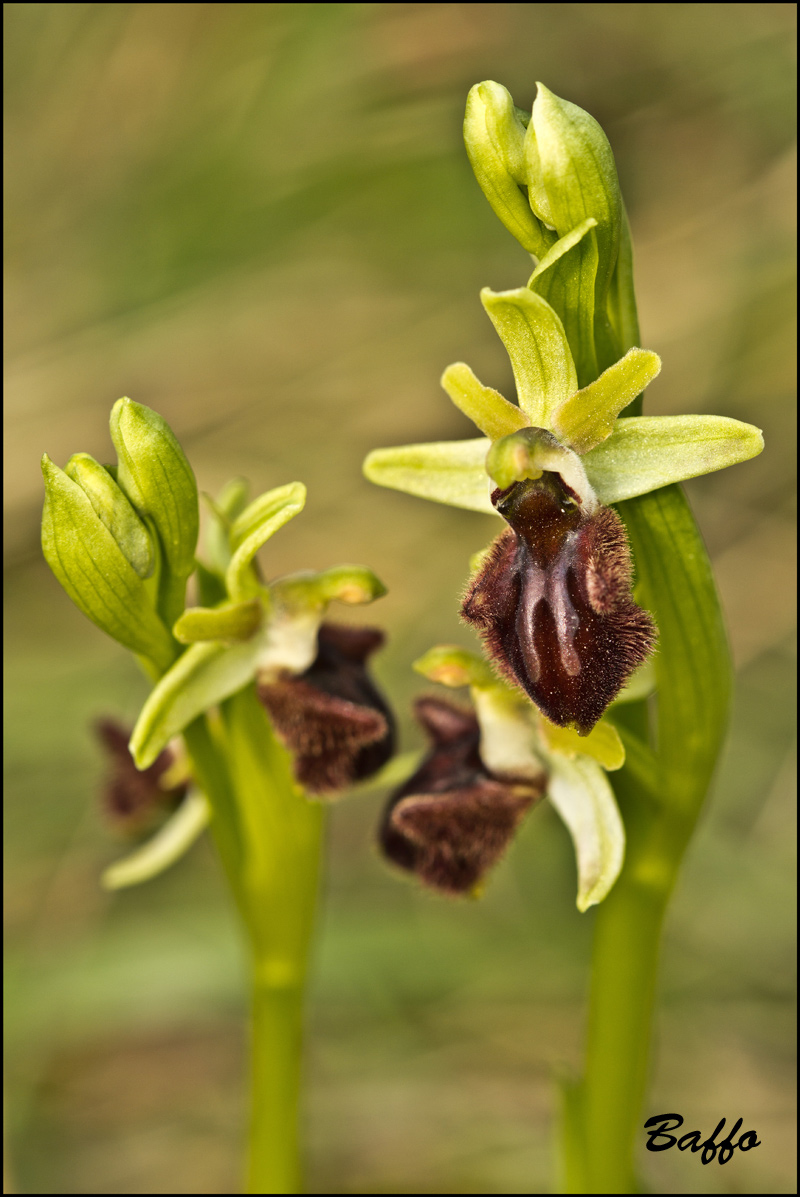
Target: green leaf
pixel 534 337
pixel 487 408
pixel 588 416
pixel 452 472
pixel 205 675
pixel 253 528
pixel 229 621
pixel 644 453
pixel 155 474
pixel 95 573
pixel 169 844
pixel 115 510
pixel 693 669
pixel 579 791
pixel 494 137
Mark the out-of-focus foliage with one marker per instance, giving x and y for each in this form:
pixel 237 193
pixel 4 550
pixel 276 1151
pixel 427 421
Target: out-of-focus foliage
pixel 260 221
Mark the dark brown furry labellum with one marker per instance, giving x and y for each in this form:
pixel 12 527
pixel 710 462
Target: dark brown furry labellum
pixel 134 799
pixel 453 819
pixel 553 602
pixel 332 717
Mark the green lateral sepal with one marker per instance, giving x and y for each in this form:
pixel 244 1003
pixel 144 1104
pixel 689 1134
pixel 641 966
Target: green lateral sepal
pixel 452 472
pixel 645 453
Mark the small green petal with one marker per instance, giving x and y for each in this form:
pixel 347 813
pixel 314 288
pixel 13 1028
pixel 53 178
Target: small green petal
pixel 580 792
pixel 487 408
pixel 644 453
pixel 352 584
pixel 168 844
pixel 453 666
pixel 588 416
pixel 205 675
pixel 253 528
pixel 602 743
pixel 452 472
pixel 230 621
pixel 534 337
pixel 230 503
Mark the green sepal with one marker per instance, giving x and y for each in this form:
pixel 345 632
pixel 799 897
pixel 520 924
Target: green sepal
pixel 527 453
pixel 115 510
pixel 645 453
pixel 229 621
pixel 567 283
pixel 94 571
pixel 581 794
pixel 452 472
pixel 588 416
pixel 487 408
pixel 253 528
pixel 155 474
pixel 168 845
pixel 534 337
pixel 603 743
pixel 508 740
pixel 494 137
pixel 202 677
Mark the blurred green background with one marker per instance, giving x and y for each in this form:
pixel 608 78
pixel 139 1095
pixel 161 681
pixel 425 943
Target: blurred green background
pixel 259 219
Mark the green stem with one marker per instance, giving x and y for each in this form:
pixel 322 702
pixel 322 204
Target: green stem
pixel 603 1114
pixel 282 833
pixel 268 835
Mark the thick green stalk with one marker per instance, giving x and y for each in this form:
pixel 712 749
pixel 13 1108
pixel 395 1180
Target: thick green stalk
pixel 269 837
pixel 282 832
pixel 604 1113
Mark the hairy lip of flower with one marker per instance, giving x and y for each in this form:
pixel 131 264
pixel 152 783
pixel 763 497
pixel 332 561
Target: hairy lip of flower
pixel 134 800
pixel 332 717
pixel 553 602
pixel 453 819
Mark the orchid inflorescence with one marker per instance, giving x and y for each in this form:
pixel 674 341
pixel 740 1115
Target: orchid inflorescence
pixel 551 598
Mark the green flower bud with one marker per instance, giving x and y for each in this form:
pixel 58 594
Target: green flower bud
pixel 115 510
pixel 96 574
pixel 155 474
pixel 494 136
